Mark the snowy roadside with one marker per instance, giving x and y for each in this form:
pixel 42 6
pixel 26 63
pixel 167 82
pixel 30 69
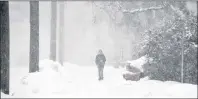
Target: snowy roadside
pixel 73 81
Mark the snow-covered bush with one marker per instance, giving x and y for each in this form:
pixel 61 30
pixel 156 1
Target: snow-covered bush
pixel 133 76
pixel 134 69
pixel 164 46
pixel 138 63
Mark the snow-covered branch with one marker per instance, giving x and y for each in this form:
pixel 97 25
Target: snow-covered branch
pixel 142 9
pixel 179 12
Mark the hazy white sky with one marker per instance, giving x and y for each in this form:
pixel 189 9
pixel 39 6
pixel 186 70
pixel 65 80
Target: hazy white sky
pixel 81 41
pixel 80 34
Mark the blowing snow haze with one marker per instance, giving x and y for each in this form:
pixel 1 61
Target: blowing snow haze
pixel 149 49
pixel 80 34
pixel 82 37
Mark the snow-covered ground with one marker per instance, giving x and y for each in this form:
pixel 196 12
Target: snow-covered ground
pixel 76 81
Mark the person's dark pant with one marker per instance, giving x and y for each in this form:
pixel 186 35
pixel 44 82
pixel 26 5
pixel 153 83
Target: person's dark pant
pixel 100 72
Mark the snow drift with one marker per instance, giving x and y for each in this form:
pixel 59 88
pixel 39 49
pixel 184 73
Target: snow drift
pixel 46 81
pixel 73 81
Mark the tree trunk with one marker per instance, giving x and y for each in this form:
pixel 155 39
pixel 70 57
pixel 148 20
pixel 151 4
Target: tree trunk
pixel 53 30
pixel 34 36
pixel 61 35
pixel 5 46
pixel 182 62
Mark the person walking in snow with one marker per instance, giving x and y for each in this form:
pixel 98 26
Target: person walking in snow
pixel 100 62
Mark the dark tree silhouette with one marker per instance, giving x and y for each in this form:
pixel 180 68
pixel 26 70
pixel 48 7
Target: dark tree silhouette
pixel 34 36
pixel 5 46
pixel 61 34
pixel 53 30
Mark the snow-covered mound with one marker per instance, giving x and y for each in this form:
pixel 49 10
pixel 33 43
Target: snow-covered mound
pixel 138 63
pixel 46 65
pixel 47 80
pixel 5 96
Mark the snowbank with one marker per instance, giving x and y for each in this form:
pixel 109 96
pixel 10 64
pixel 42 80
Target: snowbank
pixel 46 65
pixel 4 95
pixel 46 81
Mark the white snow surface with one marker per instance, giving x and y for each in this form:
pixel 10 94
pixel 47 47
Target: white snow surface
pixel 73 81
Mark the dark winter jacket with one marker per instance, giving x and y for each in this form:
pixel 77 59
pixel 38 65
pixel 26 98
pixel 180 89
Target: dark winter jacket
pixel 100 60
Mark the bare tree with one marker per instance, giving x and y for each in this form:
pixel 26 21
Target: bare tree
pixel 5 46
pixel 61 33
pixel 34 36
pixel 53 30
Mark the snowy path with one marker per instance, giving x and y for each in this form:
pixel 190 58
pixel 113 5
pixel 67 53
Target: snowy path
pixel 114 85
pixel 79 82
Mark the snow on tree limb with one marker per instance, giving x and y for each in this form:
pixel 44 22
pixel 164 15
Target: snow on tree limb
pixel 142 9
pixel 177 11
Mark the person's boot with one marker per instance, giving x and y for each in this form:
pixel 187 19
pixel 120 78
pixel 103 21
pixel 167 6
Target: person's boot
pixel 102 75
pixel 101 78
